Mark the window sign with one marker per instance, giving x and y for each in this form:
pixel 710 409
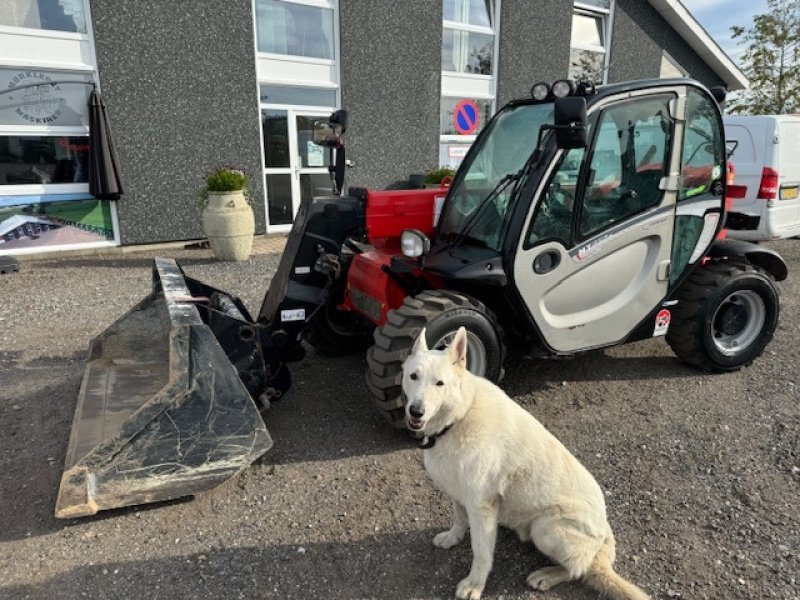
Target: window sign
pixel 51 105
pixel 450 117
pixel 54 221
pixel 54 15
pixel 315 155
pixel 285 27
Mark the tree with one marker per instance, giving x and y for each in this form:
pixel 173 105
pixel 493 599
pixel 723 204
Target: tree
pixel 771 61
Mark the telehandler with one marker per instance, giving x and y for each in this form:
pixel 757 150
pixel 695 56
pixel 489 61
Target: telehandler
pixel 582 217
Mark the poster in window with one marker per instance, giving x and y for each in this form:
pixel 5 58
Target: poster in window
pixel 53 223
pixel 315 155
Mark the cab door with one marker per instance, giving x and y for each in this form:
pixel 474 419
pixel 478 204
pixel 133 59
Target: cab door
pixel 594 259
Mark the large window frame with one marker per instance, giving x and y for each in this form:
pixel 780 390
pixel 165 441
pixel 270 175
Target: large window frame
pixel 70 56
pixel 606 19
pixel 472 86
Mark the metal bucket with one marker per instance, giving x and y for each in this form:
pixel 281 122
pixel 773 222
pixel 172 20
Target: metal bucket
pixel 162 413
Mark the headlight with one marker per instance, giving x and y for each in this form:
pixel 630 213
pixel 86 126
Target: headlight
pixel 540 91
pixel 414 243
pixel 563 88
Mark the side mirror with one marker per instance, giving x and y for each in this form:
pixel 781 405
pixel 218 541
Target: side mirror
pixel 570 122
pixel 328 132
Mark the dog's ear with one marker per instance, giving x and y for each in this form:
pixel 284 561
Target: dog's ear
pixel 458 348
pixel 421 345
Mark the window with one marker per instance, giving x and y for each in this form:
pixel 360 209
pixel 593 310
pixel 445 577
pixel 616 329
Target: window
pixel 469 73
pixel 590 40
pixel 55 15
pixel 553 220
pixel 43 159
pixel 468 36
pixel 702 161
pixel 628 160
pixel 297 95
pixel 295 29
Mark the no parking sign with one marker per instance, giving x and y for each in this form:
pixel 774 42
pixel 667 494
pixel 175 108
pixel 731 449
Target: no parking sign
pixel 466 117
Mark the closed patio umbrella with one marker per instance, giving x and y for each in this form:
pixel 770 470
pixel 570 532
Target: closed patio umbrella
pixel 104 175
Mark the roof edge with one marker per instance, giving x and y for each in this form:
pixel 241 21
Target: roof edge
pixel 682 21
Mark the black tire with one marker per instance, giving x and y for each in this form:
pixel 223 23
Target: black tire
pixel 441 312
pixel 726 315
pixel 333 332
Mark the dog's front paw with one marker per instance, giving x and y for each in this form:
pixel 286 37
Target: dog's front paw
pixel 447 539
pixel 467 589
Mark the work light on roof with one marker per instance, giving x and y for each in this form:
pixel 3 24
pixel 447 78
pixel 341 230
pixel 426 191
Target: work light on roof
pixel 564 88
pixel 540 91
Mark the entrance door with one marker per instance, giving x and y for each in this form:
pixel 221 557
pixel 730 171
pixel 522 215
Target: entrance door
pixel 294 167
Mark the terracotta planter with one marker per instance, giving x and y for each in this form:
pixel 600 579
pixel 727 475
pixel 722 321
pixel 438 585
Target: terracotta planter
pixel 229 225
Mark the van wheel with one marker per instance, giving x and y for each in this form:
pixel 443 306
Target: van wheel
pixel 441 313
pixel 726 315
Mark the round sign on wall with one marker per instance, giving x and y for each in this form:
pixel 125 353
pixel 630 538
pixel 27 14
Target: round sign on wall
pixel 466 117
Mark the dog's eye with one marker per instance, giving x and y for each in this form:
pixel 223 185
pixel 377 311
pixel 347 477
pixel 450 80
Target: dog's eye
pixel 413 376
pixel 440 383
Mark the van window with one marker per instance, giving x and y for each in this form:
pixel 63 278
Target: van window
pixel 745 152
pixel 702 160
pixel 789 151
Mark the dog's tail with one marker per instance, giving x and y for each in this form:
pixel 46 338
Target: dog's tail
pixel 602 577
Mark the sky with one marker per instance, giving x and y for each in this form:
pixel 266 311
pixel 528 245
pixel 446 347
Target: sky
pixel 717 17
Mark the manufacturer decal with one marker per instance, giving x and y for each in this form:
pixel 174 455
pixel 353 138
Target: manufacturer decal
pixel 296 314
pixel 302 270
pixel 662 323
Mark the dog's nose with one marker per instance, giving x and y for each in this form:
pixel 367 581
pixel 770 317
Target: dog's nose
pixel 416 411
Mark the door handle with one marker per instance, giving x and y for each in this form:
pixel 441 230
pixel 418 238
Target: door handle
pixel 546 262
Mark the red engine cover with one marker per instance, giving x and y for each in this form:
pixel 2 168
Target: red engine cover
pixel 389 212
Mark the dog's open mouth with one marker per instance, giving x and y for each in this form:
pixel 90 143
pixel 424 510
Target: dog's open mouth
pixel 415 424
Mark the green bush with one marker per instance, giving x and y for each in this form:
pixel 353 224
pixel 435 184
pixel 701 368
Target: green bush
pixel 436 175
pixel 225 179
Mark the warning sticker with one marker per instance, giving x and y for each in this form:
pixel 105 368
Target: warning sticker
pixel 662 323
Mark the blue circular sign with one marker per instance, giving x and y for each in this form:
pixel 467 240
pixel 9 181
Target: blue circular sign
pixel 466 117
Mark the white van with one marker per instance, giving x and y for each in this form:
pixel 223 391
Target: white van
pixel 766 156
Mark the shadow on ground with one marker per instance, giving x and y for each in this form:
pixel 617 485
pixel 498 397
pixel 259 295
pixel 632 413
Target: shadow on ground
pixel 391 566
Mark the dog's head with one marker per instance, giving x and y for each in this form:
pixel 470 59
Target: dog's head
pixel 432 381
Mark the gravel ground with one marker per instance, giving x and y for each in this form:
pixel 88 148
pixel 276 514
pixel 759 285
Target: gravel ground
pixel 701 471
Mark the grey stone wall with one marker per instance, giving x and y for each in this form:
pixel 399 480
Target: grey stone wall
pixel 391 54
pixel 640 35
pixel 179 83
pixel 534 45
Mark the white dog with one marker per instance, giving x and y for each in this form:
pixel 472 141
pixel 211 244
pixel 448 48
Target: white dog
pixel 500 466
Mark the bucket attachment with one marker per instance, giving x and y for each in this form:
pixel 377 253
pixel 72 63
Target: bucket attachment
pixel 162 412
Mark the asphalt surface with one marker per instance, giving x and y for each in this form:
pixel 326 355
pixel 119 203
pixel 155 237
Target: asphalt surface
pixel 701 472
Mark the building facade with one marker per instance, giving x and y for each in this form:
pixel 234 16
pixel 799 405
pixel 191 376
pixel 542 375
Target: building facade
pixel 195 85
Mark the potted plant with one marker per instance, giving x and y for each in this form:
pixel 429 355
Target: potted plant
pixel 228 220
pixel 440 177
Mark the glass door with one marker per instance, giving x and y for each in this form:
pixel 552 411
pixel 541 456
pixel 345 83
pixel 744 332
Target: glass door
pixel 312 177
pixel 294 167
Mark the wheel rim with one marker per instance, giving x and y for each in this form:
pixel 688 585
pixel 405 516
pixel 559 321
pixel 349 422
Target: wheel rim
pixel 476 351
pixel 738 322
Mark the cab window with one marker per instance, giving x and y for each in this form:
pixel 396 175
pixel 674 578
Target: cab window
pixel 629 158
pixel 702 161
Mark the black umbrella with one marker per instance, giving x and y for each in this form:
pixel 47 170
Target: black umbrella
pixel 104 175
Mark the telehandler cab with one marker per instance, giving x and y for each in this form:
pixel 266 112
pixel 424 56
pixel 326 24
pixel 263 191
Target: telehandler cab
pixel 581 218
